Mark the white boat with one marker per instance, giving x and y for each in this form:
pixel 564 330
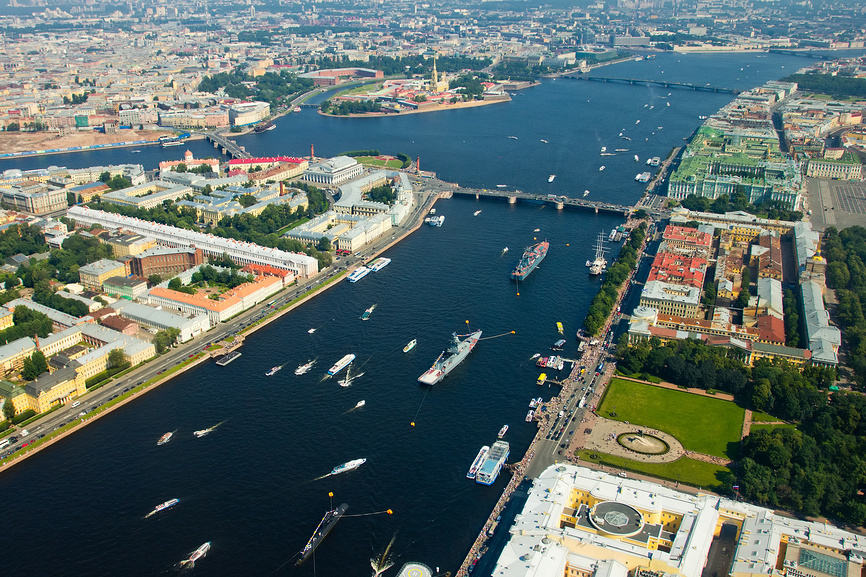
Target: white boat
pixel 432 211
pixel 273 371
pixel 533 403
pixel 513 137
pixel 348 466
pixel 668 103
pixel 621 149
pixel 379 264
pixel 585 193
pixel 637 121
pixel 358 274
pixel 501 185
pixel 479 460
pixel 311 331
pixel 296 109
pixel 304 368
pixel 636 158
pixel 165 438
pixel 341 364
pixel 367 313
pixel 163 506
pixel 197 554
pixel 476 213
pixel 530 415
pixel 410 345
pixel 360 404
pixel 544 141
pixel 600 168
pixel 504 250
pixel 551 177
pixel 502 431
pixel 603 149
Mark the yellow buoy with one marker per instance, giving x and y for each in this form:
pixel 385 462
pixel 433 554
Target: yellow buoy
pixel 412 423
pixel 330 494
pixel 518 294
pixel 390 512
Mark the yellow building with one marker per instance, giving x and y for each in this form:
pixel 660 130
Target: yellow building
pixel 130 244
pixel 94 274
pixel 12 355
pixel 55 388
pixel 14 394
pixel 6 319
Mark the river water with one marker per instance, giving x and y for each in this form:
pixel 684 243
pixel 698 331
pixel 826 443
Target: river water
pixel 251 486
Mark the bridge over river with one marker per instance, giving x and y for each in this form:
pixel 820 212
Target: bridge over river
pixel 665 83
pixel 229 147
pixel 560 202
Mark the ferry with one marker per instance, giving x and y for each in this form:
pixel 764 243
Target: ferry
pixel 551 177
pixel 197 554
pixel 163 506
pixel 379 264
pixel 410 345
pixel 530 415
pixel 273 371
pixel 655 161
pixel 341 364
pixel 304 368
pixel 476 464
pixel 489 470
pixel 358 274
pixel 541 378
pixel 367 313
pixel 226 359
pixel 165 438
pixel 502 431
pixel 169 143
pixel 435 220
pixel 348 466
pixel 643 177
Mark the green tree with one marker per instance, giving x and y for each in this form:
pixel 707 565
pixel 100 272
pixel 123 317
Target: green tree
pixel 116 358
pixel 324 244
pixel 175 284
pixel 180 167
pixel 247 200
pixel 34 365
pixel 154 279
pixel 8 410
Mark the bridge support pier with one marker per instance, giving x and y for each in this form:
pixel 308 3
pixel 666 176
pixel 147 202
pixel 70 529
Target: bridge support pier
pixel 560 205
pixel 223 150
pixel 477 196
pixel 216 145
pixel 512 200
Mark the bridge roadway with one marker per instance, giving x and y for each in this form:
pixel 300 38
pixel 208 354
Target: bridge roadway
pixel 229 147
pixel 665 83
pixel 557 201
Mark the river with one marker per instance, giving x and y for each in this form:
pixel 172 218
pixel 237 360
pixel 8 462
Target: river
pixel 251 486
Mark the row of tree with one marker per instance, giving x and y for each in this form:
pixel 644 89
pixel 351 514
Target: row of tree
pixel 603 303
pixel 270 87
pixel 346 107
pixel 845 252
pixel 836 85
pixel 27 323
pixel 773 209
pixel 384 194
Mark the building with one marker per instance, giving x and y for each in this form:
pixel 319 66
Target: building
pixel 189 327
pixel 189 161
pixel 12 354
pixel 166 262
pixel 671 299
pixel 147 195
pixel 689 238
pixel 242 253
pixel 35 198
pixel 824 339
pixel 120 324
pixel 845 167
pixel 246 113
pixel 130 244
pixel 577 522
pixel 230 303
pixel 60 320
pixel 334 171
pixel 123 287
pixel 676 269
pixel 94 274
pixel 54 388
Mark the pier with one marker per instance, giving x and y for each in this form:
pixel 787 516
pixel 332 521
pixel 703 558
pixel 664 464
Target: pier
pixel 558 202
pixel 665 83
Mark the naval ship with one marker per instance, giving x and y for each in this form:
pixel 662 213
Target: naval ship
pixel 450 357
pixel 325 525
pixel 531 258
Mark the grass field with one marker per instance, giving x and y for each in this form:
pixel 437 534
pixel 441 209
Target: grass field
pixel 701 424
pixel 373 161
pixel 759 417
pixel 689 471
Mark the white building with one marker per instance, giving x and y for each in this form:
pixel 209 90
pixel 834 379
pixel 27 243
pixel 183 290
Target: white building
pixel 161 320
pixel 334 171
pixel 240 252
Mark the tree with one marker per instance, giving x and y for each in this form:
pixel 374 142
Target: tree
pixel 247 200
pixel 175 284
pixel 154 279
pixel 180 167
pixel 34 365
pixel 324 244
pixel 116 358
pixel 8 410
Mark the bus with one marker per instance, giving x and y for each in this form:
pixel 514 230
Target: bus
pixel 600 368
pixel 4 443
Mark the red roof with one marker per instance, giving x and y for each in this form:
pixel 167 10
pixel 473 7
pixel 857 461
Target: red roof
pixel 236 161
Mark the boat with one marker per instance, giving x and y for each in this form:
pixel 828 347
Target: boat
pixel 273 371
pixel 533 403
pixel 612 235
pixel 163 506
pixel 535 356
pixel 541 379
pixel 531 258
pixel 608 154
pixel 600 168
pixel 367 313
pixel 603 149
pixel 643 177
pixel 360 404
pixel 513 137
pixel 636 158
pixel 197 554
pixel 264 126
pixel 489 470
pixel 348 466
pixel 476 213
pixel 637 121
pixel 655 161
pixel 325 525
pixel 544 141
pixel 479 460
pixel 551 177
pixel 171 143
pixel 551 362
pixel 530 415
pixel 296 109
pixel 597 266
pixel 358 274
pixel 165 438
pixel 502 431
pixel 345 382
pixel 621 149
pixel 341 364
pixel 458 349
pixel 432 211
pixel 134 151
pixel 585 193
pixel 581 346
pixel 379 264
pixel 226 359
pixel 435 220
pixel 559 328
pixel 304 368
pixel 557 346
pixel 410 345
pixel 311 331
pixel 501 185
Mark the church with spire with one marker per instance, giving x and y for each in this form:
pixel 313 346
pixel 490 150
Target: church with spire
pixel 437 84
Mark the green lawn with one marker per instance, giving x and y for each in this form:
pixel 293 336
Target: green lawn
pixel 688 471
pixel 759 417
pixel 701 424
pixel 288 227
pixel 373 161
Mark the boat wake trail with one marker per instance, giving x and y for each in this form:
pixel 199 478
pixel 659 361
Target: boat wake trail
pixel 385 560
pixel 504 250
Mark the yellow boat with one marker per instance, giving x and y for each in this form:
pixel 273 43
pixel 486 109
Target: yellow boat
pixel 541 378
pixel 559 328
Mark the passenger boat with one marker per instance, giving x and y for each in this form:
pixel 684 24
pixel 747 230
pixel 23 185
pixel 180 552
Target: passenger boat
pixel 358 274
pixel 341 364
pixel 410 345
pixel 541 379
pixel 197 554
pixel 367 313
pixel 502 431
pixel 226 359
pixel 165 438
pixel 379 264
pixel 273 371
pixel 163 506
pixel 529 416
pixel 348 466
pixel 476 464
pixel 557 346
pixel 304 368
pixel 489 470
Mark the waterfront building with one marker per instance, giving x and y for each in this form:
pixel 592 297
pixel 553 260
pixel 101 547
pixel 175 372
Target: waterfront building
pixel 55 388
pixel 672 299
pixel 334 171
pixel 586 523
pixel 246 113
pixel 146 316
pixel 245 165
pixel 147 195
pixel 242 253
pixel 189 161
pixel 228 305
pixel 742 225
pixel 94 274
pixel 344 231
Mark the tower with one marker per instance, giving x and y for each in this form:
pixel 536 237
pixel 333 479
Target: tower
pixel 418 165
pixel 312 154
pixel 435 78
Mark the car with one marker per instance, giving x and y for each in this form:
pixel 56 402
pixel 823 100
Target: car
pixel 160 372
pixel 127 388
pixel 13 439
pixel 25 445
pixel 191 355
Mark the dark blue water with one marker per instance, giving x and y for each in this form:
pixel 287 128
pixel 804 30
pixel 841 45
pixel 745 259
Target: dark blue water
pixel 249 487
